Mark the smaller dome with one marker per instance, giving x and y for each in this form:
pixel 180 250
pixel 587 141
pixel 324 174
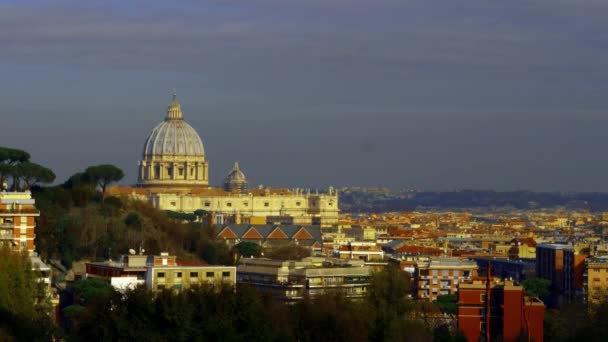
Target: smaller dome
pixel 235 181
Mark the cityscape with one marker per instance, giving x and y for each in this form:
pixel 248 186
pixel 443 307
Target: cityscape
pixel 303 171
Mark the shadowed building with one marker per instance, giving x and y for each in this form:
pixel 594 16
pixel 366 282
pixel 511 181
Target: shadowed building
pixel 555 262
pixel 494 310
pixel 290 281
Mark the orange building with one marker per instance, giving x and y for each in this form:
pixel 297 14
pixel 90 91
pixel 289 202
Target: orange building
pixel 492 310
pixel 17 220
pixel 441 276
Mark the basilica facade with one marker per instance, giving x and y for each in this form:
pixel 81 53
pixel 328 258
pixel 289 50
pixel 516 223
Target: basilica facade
pixel 174 175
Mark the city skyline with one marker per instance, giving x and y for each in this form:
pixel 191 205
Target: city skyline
pixel 435 96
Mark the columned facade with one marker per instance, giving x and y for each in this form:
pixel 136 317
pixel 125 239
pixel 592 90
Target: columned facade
pixel 173 156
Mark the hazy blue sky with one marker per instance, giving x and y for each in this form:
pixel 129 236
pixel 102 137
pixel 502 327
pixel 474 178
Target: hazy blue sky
pixel 405 93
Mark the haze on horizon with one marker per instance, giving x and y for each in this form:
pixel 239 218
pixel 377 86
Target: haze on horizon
pixel 443 94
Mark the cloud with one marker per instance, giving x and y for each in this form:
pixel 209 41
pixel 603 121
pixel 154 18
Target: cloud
pixel 384 64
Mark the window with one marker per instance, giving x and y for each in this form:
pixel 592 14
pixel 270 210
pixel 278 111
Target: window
pixel 181 171
pixel 482 297
pixel 266 204
pixel 445 272
pixel 160 274
pixel 225 274
pixel 245 203
pixel 193 274
pixel 229 204
pixel 456 273
pixel 298 204
pixel 160 287
pixel 596 270
pixel 331 203
pixel 178 274
pixel 210 274
pixel 435 272
pixel 177 286
pixel 467 273
pixel 174 203
pixel 207 204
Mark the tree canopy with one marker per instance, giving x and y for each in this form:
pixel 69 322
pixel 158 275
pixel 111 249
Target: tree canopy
pixel 537 287
pixel 16 164
pixel 103 175
pixel 32 174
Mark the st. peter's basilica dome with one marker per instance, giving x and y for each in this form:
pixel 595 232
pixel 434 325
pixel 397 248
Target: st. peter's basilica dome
pixel 173 155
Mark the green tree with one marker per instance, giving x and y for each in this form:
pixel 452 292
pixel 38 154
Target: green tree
pixel 248 249
pixel 9 159
pixel 103 175
pixel 448 304
pixel 537 287
pixel 133 219
pixel 287 252
pixel 388 299
pixel 32 174
pixel 23 311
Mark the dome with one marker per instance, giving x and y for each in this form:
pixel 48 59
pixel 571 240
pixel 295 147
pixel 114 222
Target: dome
pixel 235 181
pixel 174 136
pixel 173 155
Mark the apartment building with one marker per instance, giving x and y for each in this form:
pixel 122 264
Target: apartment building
pixel 158 272
pixel 290 281
pixel 595 278
pixel 555 262
pixel 441 276
pixel 492 309
pixel 17 220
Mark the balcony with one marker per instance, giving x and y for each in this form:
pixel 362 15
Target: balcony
pixel 20 211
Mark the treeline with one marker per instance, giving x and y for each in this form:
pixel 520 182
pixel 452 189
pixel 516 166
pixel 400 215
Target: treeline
pixel 18 173
pixel 78 221
pixel 206 314
pixel 24 306
pixel 364 202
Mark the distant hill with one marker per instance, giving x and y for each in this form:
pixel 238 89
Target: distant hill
pixel 360 200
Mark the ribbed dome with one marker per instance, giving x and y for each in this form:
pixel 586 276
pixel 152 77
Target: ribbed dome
pixel 173 136
pixel 235 181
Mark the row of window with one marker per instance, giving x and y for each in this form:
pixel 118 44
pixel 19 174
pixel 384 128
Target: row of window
pixel 193 274
pixel 229 204
pixel 447 273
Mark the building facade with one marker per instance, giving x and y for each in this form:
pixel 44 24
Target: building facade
pixel 555 262
pixel 441 276
pixel 290 281
pixel 517 270
pixel 160 272
pixel 174 174
pixel 595 279
pixel 17 220
pixel 497 310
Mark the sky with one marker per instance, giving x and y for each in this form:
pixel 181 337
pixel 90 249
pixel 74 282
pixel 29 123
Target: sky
pixel 434 95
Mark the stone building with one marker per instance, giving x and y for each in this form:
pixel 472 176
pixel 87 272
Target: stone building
pixel 174 175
